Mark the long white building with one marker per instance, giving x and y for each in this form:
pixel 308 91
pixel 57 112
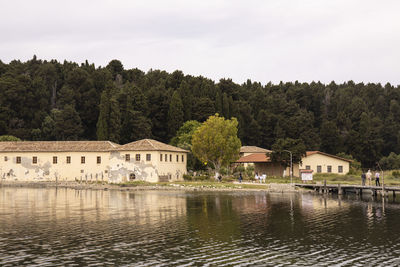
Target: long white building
pixel 145 160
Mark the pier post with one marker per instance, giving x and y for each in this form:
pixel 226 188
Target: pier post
pixel 394 194
pixel 339 191
pixel 325 189
pixel 373 192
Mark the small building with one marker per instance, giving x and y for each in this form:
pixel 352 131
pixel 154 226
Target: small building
pixel 317 161
pixel 145 160
pixel 262 164
pixel 248 150
pixel 321 162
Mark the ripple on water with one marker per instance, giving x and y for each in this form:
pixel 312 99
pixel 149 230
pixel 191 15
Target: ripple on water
pixel 45 227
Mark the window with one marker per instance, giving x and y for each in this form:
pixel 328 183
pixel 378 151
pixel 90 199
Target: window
pixel 132 176
pixel 5 158
pixel 83 160
pixel 340 169
pixel 18 160
pixel 177 158
pixel 329 168
pixel 98 159
pixel 170 157
pixel 127 157
pixel 148 157
pixel 319 168
pixel 34 160
pixel 137 157
pixel 308 167
pixel 166 157
pixel 54 160
pixel 68 160
pixel 183 158
pixel 160 157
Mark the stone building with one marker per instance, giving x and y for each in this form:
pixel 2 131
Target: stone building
pixel 144 160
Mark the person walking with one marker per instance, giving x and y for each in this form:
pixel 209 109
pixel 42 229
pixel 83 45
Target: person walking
pixel 256 177
pixel 363 177
pixel 369 176
pixel 240 177
pixel 377 183
pixel 264 178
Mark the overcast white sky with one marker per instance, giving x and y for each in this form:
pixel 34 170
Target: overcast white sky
pixel 261 40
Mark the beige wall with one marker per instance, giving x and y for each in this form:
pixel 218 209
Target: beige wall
pixel 175 169
pixel 45 169
pixel 324 161
pixel 113 166
pixel 146 170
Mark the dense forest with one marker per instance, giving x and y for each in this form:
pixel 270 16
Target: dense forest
pixel 49 100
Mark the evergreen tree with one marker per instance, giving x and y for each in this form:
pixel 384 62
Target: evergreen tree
pixel 109 121
pixel 175 114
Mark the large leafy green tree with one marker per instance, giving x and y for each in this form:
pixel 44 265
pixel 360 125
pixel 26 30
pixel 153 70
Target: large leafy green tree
pixel 183 139
pixel 216 141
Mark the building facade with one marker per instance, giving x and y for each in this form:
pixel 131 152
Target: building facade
pixel 317 161
pixel 320 162
pixel 144 160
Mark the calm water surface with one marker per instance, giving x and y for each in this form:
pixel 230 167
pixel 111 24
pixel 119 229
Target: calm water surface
pixel 147 228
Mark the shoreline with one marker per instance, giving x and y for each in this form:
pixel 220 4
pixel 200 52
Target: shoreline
pixel 224 187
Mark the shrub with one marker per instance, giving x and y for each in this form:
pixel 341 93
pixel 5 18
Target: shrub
pixel 223 171
pixel 187 177
pixel 240 168
pixel 250 171
pixel 201 178
pixel 396 174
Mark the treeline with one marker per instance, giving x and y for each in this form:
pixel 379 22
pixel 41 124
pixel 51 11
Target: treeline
pixel 49 100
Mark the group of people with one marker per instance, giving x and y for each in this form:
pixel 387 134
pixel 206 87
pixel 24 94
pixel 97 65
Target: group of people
pixel 260 178
pixel 368 175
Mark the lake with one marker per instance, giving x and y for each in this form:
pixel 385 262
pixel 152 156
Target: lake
pixel 48 226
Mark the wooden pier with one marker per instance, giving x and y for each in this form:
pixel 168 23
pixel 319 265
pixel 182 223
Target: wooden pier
pixel 357 189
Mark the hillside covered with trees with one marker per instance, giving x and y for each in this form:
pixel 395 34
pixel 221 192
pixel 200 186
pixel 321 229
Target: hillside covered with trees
pixel 50 100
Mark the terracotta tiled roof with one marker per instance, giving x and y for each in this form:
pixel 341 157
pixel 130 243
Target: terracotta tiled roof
pixel 57 146
pixel 253 149
pixel 258 157
pixel 150 145
pixel 309 153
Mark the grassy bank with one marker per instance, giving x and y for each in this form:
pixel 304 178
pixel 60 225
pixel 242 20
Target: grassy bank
pixel 204 184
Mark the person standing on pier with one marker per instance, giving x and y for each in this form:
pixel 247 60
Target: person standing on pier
pixel 369 176
pixel 377 183
pixel 240 177
pixel 363 179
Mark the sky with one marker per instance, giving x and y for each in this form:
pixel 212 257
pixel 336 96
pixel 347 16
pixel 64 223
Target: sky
pixel 262 40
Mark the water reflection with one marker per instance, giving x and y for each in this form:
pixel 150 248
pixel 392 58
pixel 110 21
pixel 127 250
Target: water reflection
pixel 84 227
